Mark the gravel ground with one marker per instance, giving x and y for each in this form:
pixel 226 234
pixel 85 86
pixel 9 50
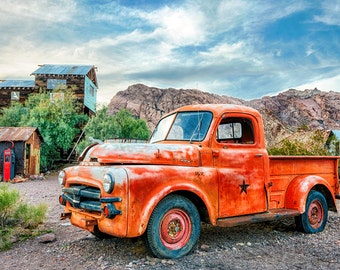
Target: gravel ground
pixel 270 245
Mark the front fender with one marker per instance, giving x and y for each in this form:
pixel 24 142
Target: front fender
pixel 180 187
pixel 147 191
pixel 299 188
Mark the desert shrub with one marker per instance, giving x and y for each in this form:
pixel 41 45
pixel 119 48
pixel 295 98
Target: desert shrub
pixel 314 146
pixel 30 216
pixel 16 216
pixel 8 203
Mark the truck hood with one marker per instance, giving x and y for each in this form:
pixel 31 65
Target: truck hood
pixel 143 153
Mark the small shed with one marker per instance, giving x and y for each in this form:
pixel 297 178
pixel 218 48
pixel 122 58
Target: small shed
pixel 26 146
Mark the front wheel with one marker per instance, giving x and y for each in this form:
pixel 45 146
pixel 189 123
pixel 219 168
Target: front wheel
pixel 314 219
pixel 100 235
pixel 174 228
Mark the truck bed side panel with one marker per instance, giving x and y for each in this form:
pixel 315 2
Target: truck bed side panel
pixel 284 169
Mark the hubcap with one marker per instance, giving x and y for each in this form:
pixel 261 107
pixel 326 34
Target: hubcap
pixel 175 229
pixel 315 214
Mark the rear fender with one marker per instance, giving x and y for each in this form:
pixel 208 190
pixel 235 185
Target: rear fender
pixel 299 188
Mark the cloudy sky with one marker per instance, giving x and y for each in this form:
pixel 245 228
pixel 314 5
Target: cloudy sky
pixel 245 49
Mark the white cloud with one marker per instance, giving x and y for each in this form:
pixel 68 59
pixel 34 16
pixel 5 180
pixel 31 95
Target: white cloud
pixel 39 10
pixel 200 44
pixel 310 50
pixel 326 84
pixel 177 26
pixel 225 52
pixel 330 11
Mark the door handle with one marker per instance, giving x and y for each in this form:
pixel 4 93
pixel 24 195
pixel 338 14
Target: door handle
pixel 259 155
pixel 215 153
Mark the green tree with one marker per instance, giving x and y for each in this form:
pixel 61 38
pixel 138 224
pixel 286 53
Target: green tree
pixel 58 120
pixel 128 127
pixel 13 116
pixel 122 125
pixel 101 125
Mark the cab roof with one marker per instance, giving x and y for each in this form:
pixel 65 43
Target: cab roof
pixel 217 109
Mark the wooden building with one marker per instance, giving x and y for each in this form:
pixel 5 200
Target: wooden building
pixel 26 142
pixel 15 90
pixel 82 79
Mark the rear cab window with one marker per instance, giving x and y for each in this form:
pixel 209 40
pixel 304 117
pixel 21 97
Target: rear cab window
pixel 235 130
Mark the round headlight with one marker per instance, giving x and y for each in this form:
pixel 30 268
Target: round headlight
pixel 108 182
pixel 62 178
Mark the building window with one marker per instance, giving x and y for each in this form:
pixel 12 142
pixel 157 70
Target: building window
pixel 56 84
pixel 56 96
pixel 91 90
pixel 15 96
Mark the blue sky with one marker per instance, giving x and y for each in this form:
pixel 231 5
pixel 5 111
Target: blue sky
pixel 244 49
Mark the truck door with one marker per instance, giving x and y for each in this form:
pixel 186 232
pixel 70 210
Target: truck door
pixel 240 162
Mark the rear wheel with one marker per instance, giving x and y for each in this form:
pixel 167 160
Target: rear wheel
pixel 314 219
pixel 174 228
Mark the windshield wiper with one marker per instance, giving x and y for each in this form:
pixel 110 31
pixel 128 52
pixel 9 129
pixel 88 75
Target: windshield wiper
pixel 197 129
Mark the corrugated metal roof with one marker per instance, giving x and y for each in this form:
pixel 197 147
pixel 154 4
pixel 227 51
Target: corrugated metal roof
pixel 17 83
pixel 63 70
pixel 18 133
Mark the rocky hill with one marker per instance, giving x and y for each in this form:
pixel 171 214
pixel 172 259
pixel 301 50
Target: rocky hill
pixel 283 114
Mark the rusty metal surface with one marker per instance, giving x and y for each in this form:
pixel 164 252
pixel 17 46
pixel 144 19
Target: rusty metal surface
pixel 185 155
pixel 225 180
pixel 17 133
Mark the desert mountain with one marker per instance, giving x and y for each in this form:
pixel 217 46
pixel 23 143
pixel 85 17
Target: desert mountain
pixel 283 114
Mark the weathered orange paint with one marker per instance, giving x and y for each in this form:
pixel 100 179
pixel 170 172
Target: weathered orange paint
pixel 235 182
pixel 293 177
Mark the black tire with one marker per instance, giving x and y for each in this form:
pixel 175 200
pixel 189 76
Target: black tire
pixel 174 228
pixel 314 219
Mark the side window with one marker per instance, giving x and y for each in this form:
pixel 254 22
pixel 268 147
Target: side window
pixel 15 95
pixel 235 130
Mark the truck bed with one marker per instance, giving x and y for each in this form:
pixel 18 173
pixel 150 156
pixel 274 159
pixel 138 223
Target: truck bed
pixel 283 169
pixel 299 165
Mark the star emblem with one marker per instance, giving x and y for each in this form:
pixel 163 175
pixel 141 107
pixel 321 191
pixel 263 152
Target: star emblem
pixel 244 187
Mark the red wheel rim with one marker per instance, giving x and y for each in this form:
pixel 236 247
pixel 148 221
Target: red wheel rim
pixel 175 229
pixel 315 214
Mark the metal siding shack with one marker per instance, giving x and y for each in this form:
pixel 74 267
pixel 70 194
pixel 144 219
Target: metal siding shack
pixel 26 148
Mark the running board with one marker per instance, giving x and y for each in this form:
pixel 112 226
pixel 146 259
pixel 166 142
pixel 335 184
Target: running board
pixel 267 216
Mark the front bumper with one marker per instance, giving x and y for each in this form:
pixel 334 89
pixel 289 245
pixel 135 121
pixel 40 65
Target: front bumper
pixel 89 199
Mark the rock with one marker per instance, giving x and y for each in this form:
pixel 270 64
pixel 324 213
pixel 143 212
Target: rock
pixel 47 238
pixel 204 247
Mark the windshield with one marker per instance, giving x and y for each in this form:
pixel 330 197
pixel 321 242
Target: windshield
pixel 183 126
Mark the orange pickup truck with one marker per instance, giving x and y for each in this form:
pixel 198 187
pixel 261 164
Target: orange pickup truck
pixel 203 163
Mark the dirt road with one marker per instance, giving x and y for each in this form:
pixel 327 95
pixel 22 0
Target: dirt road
pixel 273 245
